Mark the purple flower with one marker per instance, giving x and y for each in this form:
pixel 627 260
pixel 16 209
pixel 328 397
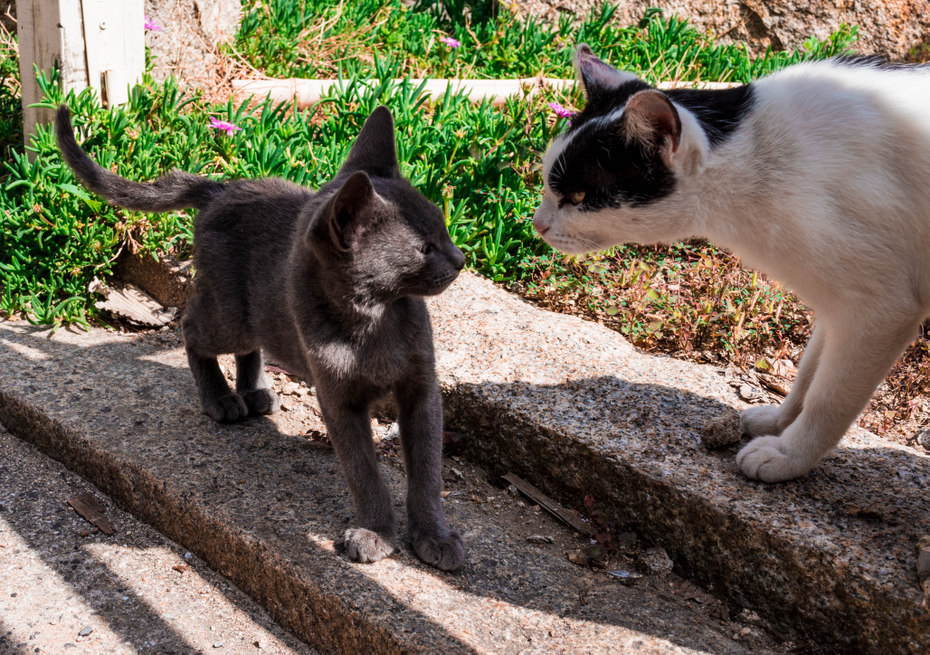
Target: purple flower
pixel 226 126
pixel 151 26
pixel 561 111
pixel 449 41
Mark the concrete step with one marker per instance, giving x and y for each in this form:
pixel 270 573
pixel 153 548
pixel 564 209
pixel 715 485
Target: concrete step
pixel 578 410
pixel 261 503
pixel 69 587
pixel 569 405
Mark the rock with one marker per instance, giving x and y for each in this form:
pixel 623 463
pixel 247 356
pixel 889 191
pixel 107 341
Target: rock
pixel 750 394
pixel 657 561
pixel 720 431
pixel 624 576
pixel 85 631
pixel 899 29
pixel 191 29
pixel 923 564
pixel 924 439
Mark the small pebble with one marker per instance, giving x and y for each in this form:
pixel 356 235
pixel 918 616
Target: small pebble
pixel 746 615
pixel 749 394
pixel 923 564
pixel 540 539
pixel 85 631
pixel 624 576
pixel 924 439
pixel 720 431
pixel 218 644
pixel 188 555
pixel 657 561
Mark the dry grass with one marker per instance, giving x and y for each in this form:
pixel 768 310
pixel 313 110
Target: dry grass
pixel 698 303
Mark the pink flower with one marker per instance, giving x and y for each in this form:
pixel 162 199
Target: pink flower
pixel 449 41
pixel 226 126
pixel 151 26
pixel 561 111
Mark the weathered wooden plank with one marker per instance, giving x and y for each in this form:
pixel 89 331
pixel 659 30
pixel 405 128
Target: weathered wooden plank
pixel 88 507
pixel 52 33
pixel 114 45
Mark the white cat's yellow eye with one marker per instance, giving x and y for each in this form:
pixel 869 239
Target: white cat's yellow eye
pixel 577 197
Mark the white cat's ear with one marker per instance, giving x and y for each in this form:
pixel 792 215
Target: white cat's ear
pixel 344 212
pixel 651 119
pixel 374 150
pixel 596 76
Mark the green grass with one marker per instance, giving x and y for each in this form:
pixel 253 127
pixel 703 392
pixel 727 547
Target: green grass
pixel 480 163
pixel 297 38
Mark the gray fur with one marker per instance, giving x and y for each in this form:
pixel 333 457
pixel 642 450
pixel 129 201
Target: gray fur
pixel 329 285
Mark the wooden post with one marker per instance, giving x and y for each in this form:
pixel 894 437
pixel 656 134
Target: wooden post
pixel 98 43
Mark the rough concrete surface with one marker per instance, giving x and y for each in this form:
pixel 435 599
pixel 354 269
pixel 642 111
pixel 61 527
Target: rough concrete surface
pixel 65 586
pixel 262 502
pixel 578 410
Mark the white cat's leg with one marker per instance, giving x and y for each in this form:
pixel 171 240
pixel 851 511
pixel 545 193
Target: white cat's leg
pixel 773 419
pixel 853 362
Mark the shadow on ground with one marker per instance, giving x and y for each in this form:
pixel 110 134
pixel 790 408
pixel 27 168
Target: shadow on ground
pixel 262 505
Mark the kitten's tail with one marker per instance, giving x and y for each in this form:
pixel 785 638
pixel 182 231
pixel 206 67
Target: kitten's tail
pixel 176 190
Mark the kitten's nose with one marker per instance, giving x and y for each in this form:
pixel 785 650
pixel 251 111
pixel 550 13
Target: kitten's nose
pixel 458 260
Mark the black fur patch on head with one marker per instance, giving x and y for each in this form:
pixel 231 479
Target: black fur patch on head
pixel 611 171
pixel 600 160
pixel 719 111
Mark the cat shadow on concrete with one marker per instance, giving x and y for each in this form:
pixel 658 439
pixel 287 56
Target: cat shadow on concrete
pixel 262 504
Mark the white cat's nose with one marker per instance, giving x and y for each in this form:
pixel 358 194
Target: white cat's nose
pixel 540 223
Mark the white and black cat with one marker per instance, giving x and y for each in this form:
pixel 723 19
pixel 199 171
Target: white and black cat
pixel 330 285
pixel 816 175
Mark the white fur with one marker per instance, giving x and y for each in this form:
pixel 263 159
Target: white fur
pixel 825 186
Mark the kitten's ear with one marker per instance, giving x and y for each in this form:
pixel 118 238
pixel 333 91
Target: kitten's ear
pixel 650 118
pixel 374 150
pixel 596 76
pixel 342 215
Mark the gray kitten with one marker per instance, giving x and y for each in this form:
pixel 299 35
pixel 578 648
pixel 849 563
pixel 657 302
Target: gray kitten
pixel 330 285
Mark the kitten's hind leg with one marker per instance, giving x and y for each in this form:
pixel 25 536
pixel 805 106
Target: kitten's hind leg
pixel 773 419
pixel 853 362
pixel 253 386
pixel 420 419
pixel 218 400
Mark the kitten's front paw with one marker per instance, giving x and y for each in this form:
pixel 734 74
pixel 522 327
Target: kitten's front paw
pixel 363 545
pixel 261 401
pixel 446 552
pixel 763 459
pixel 226 409
pixel 758 421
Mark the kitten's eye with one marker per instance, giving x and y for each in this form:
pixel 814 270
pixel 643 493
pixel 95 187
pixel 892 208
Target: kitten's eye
pixel 426 248
pixel 577 197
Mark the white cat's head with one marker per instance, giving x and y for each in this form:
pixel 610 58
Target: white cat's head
pixel 624 154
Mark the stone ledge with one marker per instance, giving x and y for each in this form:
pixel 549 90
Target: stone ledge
pixel 577 410
pixel 262 504
pixel 567 404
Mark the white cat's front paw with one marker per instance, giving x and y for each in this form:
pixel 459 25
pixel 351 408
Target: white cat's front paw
pixel 760 420
pixel 763 459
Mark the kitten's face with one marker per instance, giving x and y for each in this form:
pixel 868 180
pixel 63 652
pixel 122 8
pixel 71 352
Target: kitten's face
pixel 606 177
pixel 385 239
pixel 407 250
